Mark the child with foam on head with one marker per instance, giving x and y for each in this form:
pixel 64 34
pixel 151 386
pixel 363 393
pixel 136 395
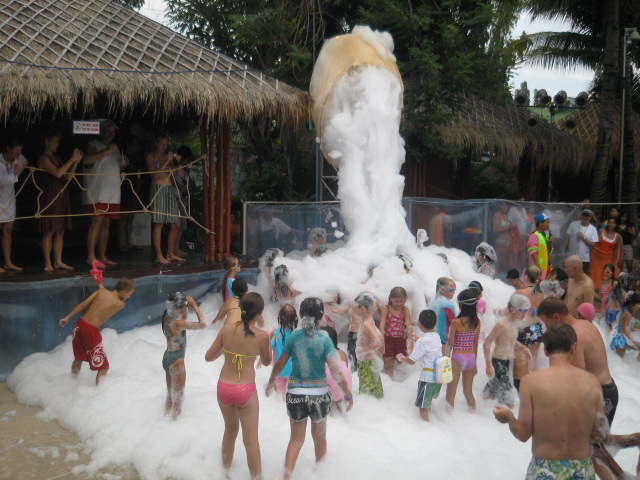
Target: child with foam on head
pixel 337 395
pixel 504 334
pixel 288 322
pixel 395 323
pixel 426 350
pixel 369 346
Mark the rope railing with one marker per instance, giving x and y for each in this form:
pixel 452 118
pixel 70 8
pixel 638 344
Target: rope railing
pixel 32 178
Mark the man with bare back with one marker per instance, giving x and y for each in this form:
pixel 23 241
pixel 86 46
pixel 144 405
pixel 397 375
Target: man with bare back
pixel 591 354
pixel 580 287
pixel 87 340
pixel 561 409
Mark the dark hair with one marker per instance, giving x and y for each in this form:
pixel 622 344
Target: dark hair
pixel 125 284
pixel 332 335
pixel 612 268
pixel 281 279
pixel 467 300
pixel 48 134
pixel 632 299
pixel 185 153
pixel 615 220
pixel 312 307
pixel 228 264
pixel 311 312
pixel 251 305
pixel 552 306
pixel 239 287
pixel 559 338
pixel 512 274
pixel 475 286
pixel 288 317
pixel 428 319
pixel 561 275
pixel 14 142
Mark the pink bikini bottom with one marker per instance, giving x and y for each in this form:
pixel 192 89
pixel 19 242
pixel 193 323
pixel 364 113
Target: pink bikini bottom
pixel 235 394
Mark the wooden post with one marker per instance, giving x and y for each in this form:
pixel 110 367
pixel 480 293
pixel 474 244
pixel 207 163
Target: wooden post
pixel 208 196
pixel 223 192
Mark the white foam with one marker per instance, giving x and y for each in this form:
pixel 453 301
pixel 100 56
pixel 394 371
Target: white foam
pixel 121 421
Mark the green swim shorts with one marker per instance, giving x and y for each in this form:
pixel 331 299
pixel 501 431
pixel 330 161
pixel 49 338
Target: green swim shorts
pixel 541 469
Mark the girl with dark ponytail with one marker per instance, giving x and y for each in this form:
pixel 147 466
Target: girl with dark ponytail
pixel 237 395
pixel 462 345
pixel 232 267
pixel 230 308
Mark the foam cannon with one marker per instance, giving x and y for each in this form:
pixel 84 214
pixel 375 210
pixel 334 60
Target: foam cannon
pixel 340 56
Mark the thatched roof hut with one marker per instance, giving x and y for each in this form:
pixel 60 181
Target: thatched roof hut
pixel 586 130
pixel 482 126
pixel 64 54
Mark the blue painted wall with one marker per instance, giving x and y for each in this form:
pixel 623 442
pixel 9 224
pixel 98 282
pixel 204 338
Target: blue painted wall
pixel 30 311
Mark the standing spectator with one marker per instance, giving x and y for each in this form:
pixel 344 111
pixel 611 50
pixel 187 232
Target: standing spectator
pixel 517 215
pixel 132 195
pixel 507 236
pixel 55 204
pixel 540 245
pixel 628 232
pixel 102 163
pixel 164 199
pixel 13 163
pixel 581 237
pixel 607 250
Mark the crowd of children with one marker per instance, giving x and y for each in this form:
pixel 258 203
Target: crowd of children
pixel 311 373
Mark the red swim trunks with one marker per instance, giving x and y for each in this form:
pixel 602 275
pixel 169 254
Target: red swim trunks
pixel 87 346
pixel 110 210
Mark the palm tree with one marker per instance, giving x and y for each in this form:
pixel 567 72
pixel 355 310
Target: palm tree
pixel 594 42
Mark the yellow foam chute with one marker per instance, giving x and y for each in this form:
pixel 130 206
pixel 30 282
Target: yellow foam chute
pixel 339 56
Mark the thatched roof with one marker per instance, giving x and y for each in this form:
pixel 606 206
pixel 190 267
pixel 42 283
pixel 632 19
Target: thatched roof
pixel 483 126
pixel 587 131
pixel 64 53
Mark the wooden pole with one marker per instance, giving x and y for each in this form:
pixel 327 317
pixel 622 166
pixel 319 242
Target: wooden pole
pixel 209 196
pixel 227 199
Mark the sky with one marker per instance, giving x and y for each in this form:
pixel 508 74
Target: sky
pixel 573 82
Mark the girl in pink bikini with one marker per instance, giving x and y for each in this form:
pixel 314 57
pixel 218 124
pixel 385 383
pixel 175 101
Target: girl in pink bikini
pixel 395 324
pixel 608 284
pixel 462 346
pixel 241 343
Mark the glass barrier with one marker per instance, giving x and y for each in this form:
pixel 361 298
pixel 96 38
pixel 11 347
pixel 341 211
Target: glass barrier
pixel 31 311
pixel 463 224
pixel 291 226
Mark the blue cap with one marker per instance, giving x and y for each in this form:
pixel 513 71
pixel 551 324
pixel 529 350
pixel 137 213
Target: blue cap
pixel 541 217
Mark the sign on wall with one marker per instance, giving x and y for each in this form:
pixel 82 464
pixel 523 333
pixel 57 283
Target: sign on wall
pixel 84 127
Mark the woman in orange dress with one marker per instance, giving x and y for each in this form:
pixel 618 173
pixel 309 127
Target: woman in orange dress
pixel 607 250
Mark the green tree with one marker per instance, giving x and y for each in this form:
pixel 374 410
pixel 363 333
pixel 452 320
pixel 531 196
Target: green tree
pixel 594 40
pixel 445 49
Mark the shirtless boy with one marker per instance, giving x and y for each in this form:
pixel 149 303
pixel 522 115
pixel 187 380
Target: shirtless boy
pixel 561 409
pixel 87 340
pixel 580 287
pixel 590 353
pixel 504 333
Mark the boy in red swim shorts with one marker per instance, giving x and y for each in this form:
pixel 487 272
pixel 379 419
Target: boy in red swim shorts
pixel 87 340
